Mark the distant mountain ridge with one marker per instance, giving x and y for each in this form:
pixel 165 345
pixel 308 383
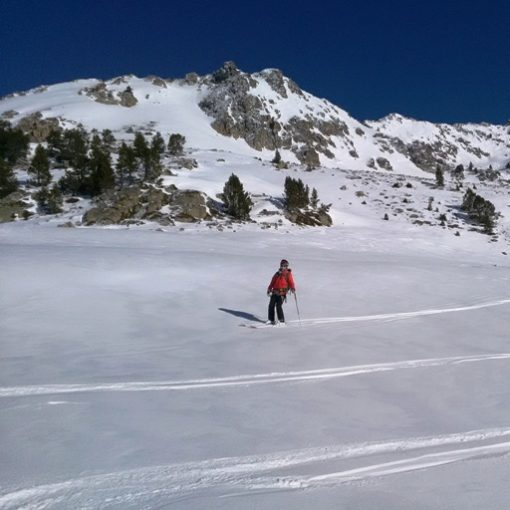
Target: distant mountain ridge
pixel 257 114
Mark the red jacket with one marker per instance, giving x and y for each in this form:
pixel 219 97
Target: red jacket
pixel 281 282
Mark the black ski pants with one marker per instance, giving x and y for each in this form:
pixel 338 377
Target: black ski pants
pixel 276 301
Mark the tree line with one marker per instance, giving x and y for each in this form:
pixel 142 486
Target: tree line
pixel 87 160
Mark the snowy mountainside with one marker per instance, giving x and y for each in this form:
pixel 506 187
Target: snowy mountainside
pixel 255 114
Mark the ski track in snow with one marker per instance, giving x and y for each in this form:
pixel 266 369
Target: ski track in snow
pixel 242 476
pixel 387 316
pixel 246 380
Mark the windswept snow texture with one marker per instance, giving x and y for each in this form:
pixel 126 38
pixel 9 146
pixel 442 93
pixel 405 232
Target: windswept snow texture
pixel 126 381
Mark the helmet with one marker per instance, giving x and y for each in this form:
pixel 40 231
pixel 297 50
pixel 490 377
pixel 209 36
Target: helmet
pixel 284 263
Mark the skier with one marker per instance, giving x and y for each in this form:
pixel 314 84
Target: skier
pixel 281 283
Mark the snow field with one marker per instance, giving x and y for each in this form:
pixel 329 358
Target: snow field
pixel 126 381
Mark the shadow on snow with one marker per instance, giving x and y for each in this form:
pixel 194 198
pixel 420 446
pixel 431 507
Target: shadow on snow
pixel 243 315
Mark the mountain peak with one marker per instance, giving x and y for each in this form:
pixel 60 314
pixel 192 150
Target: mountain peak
pixel 258 114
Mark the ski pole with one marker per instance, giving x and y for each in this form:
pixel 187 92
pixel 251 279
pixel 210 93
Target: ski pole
pixel 297 308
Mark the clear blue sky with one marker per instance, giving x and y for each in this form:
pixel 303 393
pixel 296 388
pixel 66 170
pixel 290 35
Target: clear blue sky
pixel 444 61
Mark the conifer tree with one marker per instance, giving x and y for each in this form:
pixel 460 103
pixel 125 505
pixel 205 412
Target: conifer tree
pixel 140 146
pixel 13 143
pixel 40 167
pixel 481 210
pixel 277 158
pixel 54 144
pixel 158 144
pixel 126 164
pixel 8 182
pixel 237 201
pixel 297 195
pixel 147 159
pixel 49 201
pixel 176 144
pixel 314 200
pixel 100 168
pixel 75 148
pixel 108 139
pixel 74 153
pixel 439 177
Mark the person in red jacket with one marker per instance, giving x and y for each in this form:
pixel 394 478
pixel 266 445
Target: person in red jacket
pixel 281 283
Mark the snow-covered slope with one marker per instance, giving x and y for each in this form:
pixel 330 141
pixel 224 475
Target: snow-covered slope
pixel 126 381
pixel 256 114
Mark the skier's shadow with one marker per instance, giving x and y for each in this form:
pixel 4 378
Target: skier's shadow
pixel 243 315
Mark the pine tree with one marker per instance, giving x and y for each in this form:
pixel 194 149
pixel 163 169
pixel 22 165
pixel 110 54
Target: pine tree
pixel 314 200
pixel 237 202
pixel 8 182
pixel 126 164
pixel 74 153
pixel 54 144
pixel 140 146
pixel 439 178
pixel 296 194
pixel 176 144
pixel 40 167
pixel 277 158
pixel 458 173
pixel 147 159
pixel 75 148
pixel 158 144
pixel 49 201
pixel 481 210
pixel 13 143
pixel 108 139
pixel 100 168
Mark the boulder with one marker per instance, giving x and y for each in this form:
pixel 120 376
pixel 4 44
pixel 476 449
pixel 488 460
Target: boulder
pixel 113 207
pixel 189 206
pixel 309 217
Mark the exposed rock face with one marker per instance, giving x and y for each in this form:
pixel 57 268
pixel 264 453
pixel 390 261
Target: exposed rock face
pixel 37 128
pixel 148 203
pixel 114 207
pixel 101 94
pixel 384 164
pixel 13 206
pixel 309 157
pixel 275 80
pixel 311 218
pixel 236 112
pixel 127 98
pixel 191 78
pixel 239 112
pixel 188 206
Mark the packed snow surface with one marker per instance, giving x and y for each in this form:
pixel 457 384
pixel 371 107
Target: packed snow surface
pixel 128 379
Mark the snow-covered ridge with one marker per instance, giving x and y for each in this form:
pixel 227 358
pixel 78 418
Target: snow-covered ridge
pixel 255 114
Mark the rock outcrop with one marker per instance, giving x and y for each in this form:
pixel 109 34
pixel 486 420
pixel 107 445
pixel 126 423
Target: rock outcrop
pixel 164 206
pixel 102 94
pixel 37 127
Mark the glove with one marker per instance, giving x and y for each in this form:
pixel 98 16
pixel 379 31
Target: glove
pixel 268 293
pixel 293 291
